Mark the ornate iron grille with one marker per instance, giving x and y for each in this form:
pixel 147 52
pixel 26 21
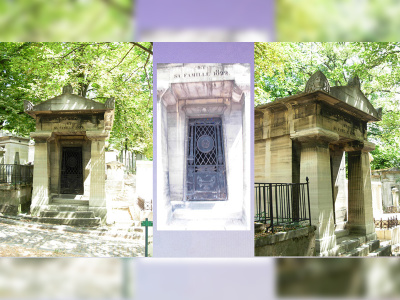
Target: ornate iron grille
pixel 71 171
pixel 206 174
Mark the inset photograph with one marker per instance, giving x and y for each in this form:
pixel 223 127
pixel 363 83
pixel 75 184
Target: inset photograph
pixel 76 149
pixel 203 134
pixel 325 115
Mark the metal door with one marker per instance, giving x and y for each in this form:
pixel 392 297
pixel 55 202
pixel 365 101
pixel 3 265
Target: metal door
pixel 206 174
pixel 71 171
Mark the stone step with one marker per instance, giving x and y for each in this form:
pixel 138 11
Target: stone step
pixel 341 233
pixel 347 244
pixel 72 208
pixel 66 214
pixel 69 201
pixel 362 250
pixel 373 245
pixel 382 251
pixel 84 222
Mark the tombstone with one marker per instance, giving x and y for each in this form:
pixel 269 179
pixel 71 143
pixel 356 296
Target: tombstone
pixel 203 144
pixel 306 135
pixel 70 137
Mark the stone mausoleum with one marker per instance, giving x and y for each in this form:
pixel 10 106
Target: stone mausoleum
pixel 307 135
pixel 69 172
pixel 203 146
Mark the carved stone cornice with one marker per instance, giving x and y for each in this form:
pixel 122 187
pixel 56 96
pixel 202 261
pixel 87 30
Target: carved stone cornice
pixel 316 133
pixel 41 136
pixel 364 146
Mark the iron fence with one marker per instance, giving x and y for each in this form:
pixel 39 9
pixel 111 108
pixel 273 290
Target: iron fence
pixel 282 204
pixel 16 174
pixel 386 224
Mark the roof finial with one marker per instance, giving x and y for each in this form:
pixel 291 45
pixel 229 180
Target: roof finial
pixel 68 89
pixel 317 82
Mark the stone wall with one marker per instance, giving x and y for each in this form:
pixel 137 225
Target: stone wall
pixel 15 199
pixel 299 242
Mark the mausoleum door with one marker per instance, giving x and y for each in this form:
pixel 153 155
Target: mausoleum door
pixel 71 171
pixel 206 173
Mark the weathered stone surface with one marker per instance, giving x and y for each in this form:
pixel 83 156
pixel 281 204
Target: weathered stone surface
pixel 299 242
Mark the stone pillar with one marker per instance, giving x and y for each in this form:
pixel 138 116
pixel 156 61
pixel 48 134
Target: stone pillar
pixel 98 174
pixel 360 192
pixel 41 176
pixel 315 164
pixel 339 185
pixel 97 197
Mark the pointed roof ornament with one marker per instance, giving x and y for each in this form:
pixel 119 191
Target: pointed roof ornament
pixel 68 89
pixel 317 82
pixel 354 82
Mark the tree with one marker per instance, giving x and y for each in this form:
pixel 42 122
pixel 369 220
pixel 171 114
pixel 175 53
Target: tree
pixel 38 71
pixel 282 69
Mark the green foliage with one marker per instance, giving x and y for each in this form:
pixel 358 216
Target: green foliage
pixel 66 20
pixel 38 71
pixel 282 69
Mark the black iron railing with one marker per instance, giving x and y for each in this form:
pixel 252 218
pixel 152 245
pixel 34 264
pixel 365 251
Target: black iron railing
pixel 387 224
pixel 282 204
pixel 16 174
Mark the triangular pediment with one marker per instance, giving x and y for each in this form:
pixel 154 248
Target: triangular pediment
pixel 68 102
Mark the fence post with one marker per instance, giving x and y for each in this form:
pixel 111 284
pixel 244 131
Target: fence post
pixel 308 196
pixel 271 209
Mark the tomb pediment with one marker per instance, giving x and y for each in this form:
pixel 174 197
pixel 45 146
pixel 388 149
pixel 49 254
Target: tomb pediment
pixel 349 99
pixel 68 102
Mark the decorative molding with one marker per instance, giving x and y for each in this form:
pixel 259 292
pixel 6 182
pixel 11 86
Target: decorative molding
pixel 204 109
pixel 317 134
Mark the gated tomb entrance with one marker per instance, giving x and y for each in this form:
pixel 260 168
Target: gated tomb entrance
pixel 71 171
pixel 206 178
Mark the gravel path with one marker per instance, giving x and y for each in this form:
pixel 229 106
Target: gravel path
pixel 26 240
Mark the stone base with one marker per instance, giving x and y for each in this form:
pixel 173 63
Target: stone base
pixel 361 229
pixel 205 215
pixel 299 242
pixel 100 212
pixel 325 246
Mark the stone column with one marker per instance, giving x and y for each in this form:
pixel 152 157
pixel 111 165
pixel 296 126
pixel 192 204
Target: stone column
pixel 41 173
pixel 315 164
pixel 97 198
pixel 339 186
pixel 360 192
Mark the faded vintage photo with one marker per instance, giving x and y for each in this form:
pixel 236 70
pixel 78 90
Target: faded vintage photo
pixel 203 134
